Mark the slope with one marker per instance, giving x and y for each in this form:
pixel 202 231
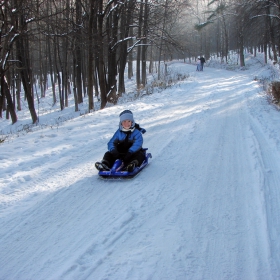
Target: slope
pixel 207 206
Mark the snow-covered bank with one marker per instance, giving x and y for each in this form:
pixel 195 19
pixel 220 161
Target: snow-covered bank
pixel 207 206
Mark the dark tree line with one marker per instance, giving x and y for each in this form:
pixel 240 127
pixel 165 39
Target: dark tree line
pixel 84 47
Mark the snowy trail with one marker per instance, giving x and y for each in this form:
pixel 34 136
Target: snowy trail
pixel 207 206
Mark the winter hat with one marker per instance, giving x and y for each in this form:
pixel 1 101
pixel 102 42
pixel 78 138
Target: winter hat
pixel 127 115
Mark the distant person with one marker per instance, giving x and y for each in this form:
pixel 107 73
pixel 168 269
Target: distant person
pixel 202 61
pixel 198 64
pixel 126 144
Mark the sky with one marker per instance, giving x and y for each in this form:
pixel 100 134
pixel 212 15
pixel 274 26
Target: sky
pixel 206 207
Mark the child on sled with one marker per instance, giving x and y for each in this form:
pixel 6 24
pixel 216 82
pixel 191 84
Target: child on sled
pixel 126 144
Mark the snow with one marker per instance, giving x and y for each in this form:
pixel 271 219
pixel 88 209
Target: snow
pixel 206 207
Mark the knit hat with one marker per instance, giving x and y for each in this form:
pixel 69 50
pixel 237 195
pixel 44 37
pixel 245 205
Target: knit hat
pixel 127 115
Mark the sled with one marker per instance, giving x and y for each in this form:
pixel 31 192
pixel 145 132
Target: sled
pixel 117 171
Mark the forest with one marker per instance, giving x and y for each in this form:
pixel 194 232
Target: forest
pixel 85 47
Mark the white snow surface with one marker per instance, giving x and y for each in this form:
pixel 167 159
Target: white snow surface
pixel 206 207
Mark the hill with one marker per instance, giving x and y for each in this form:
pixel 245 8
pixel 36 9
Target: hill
pixel 206 207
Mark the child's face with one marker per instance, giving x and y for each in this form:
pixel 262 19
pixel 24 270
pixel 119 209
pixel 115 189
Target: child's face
pixel 126 124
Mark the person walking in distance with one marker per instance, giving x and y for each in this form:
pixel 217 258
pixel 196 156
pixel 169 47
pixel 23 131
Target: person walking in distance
pixel 202 61
pixel 198 64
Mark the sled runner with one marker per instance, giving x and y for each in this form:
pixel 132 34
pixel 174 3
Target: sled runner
pixel 118 170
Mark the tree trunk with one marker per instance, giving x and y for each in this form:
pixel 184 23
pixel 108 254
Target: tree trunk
pixel 144 47
pixel 126 31
pixel 58 71
pixel 2 98
pixel 95 49
pixel 138 59
pixel 78 53
pixel 51 71
pixel 100 60
pixel 225 39
pixel 241 51
pixel 161 38
pixel 10 105
pixel 18 89
pixel 49 56
pixel 265 52
pixel 122 63
pixel 95 80
pixel 130 57
pixel 26 76
pixel 271 32
pixel 74 86
pixel 90 58
pixel 112 31
pixel 65 56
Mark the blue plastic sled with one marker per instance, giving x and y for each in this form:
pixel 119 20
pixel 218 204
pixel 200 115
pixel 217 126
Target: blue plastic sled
pixel 116 171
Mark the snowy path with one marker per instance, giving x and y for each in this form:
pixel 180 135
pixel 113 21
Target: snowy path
pixel 207 207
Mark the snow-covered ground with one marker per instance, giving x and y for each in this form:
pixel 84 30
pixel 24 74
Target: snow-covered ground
pixel 206 207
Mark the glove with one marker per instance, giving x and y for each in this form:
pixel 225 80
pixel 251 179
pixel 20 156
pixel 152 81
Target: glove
pixel 115 153
pixel 137 126
pixel 127 156
pixel 143 130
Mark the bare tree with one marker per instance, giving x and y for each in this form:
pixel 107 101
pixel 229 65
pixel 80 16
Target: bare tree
pixel 22 20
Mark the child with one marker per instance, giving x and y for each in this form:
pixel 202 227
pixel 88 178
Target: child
pixel 126 144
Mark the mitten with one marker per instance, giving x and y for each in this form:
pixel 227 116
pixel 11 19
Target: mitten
pixel 143 130
pixel 115 153
pixel 137 126
pixel 127 156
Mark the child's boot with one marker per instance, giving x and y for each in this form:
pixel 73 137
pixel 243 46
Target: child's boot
pixel 102 166
pixel 130 167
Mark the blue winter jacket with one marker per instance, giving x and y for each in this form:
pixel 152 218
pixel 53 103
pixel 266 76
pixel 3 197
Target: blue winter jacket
pixel 132 143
